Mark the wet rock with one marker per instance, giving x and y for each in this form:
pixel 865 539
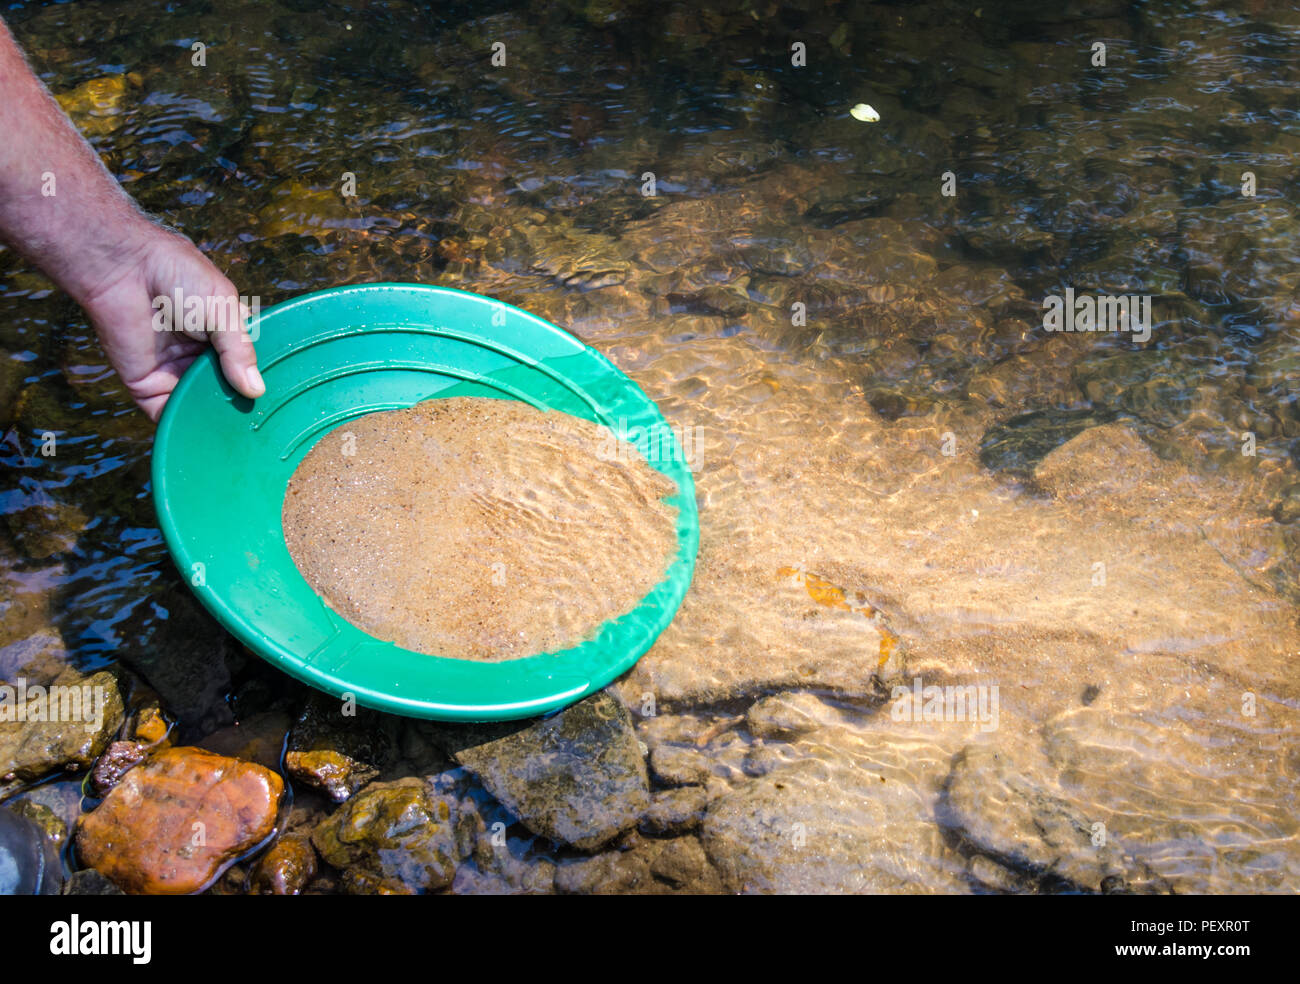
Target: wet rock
pixel 87 712
pixel 845 817
pixel 762 758
pixel 577 777
pixel 338 748
pixel 335 774
pixel 176 822
pixel 113 764
pixel 286 868
pixel 677 866
pixel 361 881
pixel 1041 378
pixel 38 659
pixel 1159 790
pixel 28 861
pixel 97 105
pixel 47 529
pixel 675 811
pixel 1017 445
pixel 1110 460
pixel 783 630
pixel 1014 816
pixel 1156 385
pixel 675 765
pixel 680 729
pixel 148 725
pixel 88 881
pixel 1286 509
pixel 786 716
pixel 54 806
pixel 391 834
pixel 682 864
pixel 52 826
pixel 186 656
pixel 505 866
pixel 259 738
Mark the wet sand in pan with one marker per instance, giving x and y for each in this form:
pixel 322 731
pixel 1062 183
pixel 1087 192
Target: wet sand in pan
pixel 478 529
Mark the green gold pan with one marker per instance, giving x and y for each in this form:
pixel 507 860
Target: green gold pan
pixel 222 463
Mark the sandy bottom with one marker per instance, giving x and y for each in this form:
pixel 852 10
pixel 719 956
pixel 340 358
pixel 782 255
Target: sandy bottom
pixel 478 529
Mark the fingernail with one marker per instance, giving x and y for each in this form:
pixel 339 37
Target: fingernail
pixel 253 380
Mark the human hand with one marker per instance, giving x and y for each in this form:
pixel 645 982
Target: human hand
pixel 155 262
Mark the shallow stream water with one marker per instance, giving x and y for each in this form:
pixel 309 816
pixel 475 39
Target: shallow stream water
pixel 905 481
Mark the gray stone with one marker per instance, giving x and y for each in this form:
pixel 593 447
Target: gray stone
pixel 675 811
pixel 786 716
pixel 1015 816
pixel 31 749
pixel 577 777
pixel 1287 507
pixel 90 882
pixel 505 868
pixel 842 819
pixel 671 867
pixel 677 765
pixel 1111 460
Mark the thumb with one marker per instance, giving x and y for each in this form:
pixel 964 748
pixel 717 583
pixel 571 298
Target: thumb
pixel 226 321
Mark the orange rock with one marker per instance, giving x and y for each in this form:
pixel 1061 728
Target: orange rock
pixel 286 868
pixel 172 824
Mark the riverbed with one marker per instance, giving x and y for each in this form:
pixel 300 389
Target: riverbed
pixel 979 606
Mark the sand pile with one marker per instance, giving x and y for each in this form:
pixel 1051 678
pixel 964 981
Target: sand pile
pixel 478 529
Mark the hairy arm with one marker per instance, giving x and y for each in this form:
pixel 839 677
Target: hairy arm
pixel 92 240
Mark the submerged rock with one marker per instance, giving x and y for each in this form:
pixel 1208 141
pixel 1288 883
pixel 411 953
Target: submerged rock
pixel 844 818
pixel 173 824
pixel 258 738
pixel 391 837
pixel 505 866
pixel 1286 508
pixel 46 529
pixel 28 859
pixel 577 777
pixel 186 656
pixel 1017 819
pixel 653 867
pixel 676 765
pixel 786 716
pixel 54 806
pixel 1110 460
pixel 90 882
pixel 675 811
pixel 1020 443
pixel 52 826
pixel 38 659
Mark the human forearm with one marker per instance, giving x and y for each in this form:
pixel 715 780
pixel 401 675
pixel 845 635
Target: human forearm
pixel 61 209
pixel 59 206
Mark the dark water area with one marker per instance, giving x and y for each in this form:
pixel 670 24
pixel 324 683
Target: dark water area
pixel 851 315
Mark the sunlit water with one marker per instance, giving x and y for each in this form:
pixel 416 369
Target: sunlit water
pixel 858 358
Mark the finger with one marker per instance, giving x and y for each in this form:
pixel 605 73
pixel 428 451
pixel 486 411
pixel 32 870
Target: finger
pixel 153 405
pixel 226 321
